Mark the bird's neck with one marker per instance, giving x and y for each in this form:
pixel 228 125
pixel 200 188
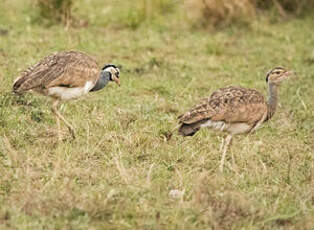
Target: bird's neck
pixel 102 81
pixel 272 100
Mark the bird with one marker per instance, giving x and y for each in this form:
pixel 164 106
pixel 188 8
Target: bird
pixel 65 75
pixel 234 109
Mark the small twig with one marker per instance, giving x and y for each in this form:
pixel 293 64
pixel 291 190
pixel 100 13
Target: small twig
pixel 13 155
pixel 172 130
pixel 302 102
pixel 148 178
pixel 122 171
pixel 289 167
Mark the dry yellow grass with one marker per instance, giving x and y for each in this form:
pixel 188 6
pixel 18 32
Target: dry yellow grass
pixel 219 13
pixel 123 171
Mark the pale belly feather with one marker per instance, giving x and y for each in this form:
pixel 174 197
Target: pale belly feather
pixel 234 128
pixel 65 93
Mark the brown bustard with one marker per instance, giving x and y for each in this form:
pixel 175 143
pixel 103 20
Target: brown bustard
pixel 65 75
pixel 234 110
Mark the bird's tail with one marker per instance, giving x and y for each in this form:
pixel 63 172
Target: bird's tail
pixel 16 85
pixel 188 129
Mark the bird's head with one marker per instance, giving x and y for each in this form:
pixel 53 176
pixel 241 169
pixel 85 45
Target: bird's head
pixel 278 74
pixel 114 72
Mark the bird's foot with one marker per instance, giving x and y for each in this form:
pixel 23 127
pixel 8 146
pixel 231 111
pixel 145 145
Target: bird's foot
pixel 72 132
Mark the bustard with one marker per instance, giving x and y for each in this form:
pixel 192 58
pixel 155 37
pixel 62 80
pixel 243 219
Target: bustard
pixel 65 75
pixel 234 110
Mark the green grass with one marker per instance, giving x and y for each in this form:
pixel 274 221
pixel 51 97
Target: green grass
pixel 118 172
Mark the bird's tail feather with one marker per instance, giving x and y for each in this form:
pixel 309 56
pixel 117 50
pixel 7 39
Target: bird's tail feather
pixel 191 129
pixel 188 129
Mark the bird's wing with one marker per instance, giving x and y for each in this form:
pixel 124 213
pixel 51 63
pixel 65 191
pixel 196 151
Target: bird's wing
pixel 67 68
pixel 231 104
pixel 200 112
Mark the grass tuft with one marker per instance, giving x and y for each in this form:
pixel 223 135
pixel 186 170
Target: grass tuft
pixel 216 13
pixel 59 11
pixel 146 11
pixel 219 13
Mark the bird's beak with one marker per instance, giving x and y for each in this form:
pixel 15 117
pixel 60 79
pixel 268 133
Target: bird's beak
pixel 289 73
pixel 116 80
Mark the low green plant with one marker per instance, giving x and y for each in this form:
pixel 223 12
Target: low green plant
pixel 56 11
pixel 140 11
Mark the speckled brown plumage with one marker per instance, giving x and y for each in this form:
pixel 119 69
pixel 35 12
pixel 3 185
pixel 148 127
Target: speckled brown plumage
pixel 65 75
pixel 234 109
pixel 66 68
pixel 230 104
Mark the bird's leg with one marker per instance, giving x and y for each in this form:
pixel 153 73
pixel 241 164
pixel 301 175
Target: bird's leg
pixel 221 144
pixel 232 157
pixel 228 141
pixel 59 116
pixel 70 127
pixel 55 111
pixel 59 129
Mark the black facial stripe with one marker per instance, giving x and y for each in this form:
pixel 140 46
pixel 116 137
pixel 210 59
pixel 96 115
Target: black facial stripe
pixel 110 76
pixel 109 65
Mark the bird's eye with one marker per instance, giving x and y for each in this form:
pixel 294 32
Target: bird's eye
pixel 277 72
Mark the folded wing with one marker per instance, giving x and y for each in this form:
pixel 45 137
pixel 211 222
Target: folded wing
pixel 66 68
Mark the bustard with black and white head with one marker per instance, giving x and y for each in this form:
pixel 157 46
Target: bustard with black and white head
pixel 234 110
pixel 63 76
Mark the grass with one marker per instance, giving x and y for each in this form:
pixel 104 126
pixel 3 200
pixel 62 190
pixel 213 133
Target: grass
pixel 119 171
pixel 219 14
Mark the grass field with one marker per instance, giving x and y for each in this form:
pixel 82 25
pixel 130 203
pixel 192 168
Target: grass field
pixel 119 171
